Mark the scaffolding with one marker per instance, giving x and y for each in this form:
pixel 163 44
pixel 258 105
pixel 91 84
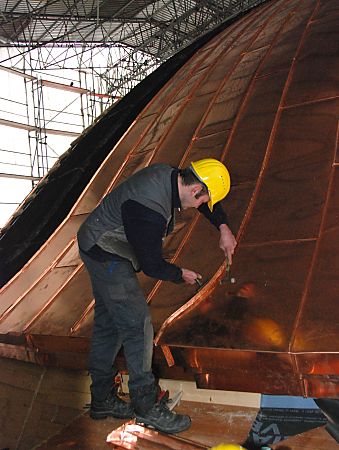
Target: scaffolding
pixel 134 36
pixel 97 50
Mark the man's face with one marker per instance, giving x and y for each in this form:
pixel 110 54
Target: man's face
pixel 193 198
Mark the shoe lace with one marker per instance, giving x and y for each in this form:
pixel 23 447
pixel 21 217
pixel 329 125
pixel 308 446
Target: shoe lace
pixel 163 409
pixel 163 397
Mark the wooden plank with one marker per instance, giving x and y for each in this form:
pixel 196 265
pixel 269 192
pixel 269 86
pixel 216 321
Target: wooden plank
pixel 25 126
pixel 37 402
pixel 64 87
pixel 211 425
pixel 17 72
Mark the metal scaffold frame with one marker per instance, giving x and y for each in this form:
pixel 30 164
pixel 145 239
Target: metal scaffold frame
pixel 103 49
pixel 140 34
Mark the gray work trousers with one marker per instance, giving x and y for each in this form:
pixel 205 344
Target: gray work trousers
pixel 121 319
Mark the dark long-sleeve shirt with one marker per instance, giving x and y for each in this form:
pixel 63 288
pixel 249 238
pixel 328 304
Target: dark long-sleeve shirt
pixel 145 229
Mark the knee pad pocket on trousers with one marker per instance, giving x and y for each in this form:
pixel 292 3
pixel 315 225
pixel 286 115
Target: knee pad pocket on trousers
pixel 148 344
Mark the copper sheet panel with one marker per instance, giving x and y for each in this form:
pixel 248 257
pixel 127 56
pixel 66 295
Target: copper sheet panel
pixel 65 309
pixel 261 299
pixel 134 436
pixel 316 73
pixel 43 259
pixel 263 96
pixel 305 133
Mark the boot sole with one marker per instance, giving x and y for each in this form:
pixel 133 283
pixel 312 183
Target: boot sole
pixel 103 415
pixel 154 426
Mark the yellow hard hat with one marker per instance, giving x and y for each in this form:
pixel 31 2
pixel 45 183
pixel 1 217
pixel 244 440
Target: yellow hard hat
pixel 228 447
pixel 215 176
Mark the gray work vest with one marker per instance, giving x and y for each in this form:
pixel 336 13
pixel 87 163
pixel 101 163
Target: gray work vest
pixel 152 187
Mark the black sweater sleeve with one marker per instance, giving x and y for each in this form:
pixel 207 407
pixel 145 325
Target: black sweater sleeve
pixel 144 229
pixel 217 217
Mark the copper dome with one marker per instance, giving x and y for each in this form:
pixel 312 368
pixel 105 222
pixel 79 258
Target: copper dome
pixel 262 95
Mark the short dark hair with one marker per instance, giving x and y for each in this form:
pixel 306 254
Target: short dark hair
pixel 188 178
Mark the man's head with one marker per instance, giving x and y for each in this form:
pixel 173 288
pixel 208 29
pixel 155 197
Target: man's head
pixel 205 181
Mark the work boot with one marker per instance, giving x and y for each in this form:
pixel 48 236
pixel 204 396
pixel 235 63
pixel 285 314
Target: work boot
pixel 162 419
pixel 112 406
pixel 155 413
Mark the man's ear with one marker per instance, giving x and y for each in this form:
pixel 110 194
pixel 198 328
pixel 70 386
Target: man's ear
pixel 196 188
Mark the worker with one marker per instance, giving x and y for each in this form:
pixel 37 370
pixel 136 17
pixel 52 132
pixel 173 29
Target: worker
pixel 123 235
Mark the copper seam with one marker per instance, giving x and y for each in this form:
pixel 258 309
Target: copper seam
pixel 24 294
pixel 77 324
pixel 51 300
pixel 311 102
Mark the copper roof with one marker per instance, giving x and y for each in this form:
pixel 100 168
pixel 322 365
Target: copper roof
pixel 263 96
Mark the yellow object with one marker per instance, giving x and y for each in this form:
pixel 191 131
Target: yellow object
pixel 228 447
pixel 215 176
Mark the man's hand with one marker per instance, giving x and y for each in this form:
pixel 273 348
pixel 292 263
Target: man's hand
pixel 189 276
pixel 227 242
